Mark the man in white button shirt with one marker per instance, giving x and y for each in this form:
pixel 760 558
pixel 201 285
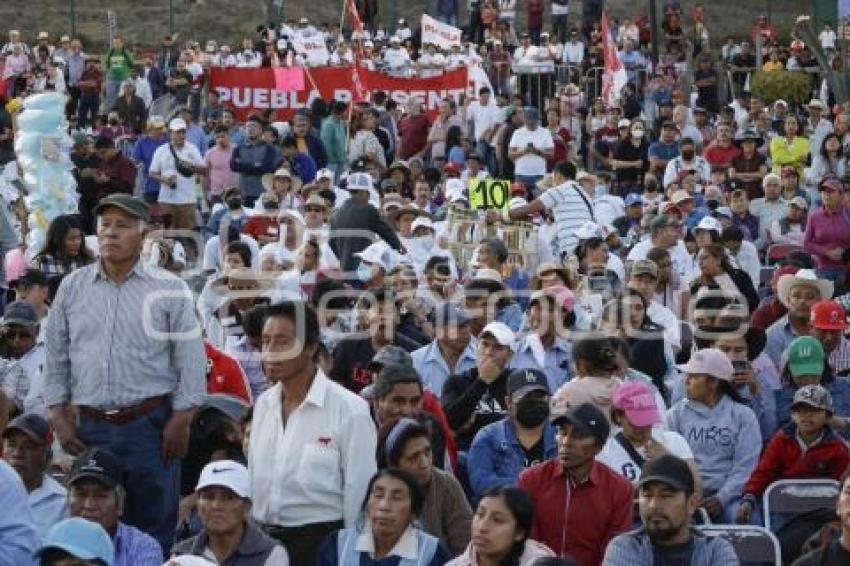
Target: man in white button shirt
pixel 529 149
pixel 396 57
pixel 485 115
pixel 312 447
pixel 176 166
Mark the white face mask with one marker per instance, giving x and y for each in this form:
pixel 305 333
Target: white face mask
pixel 637 134
pixel 423 243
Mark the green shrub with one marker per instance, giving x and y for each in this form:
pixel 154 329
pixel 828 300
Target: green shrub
pixel 791 86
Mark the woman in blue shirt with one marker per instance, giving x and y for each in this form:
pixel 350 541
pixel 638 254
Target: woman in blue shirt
pixel 387 535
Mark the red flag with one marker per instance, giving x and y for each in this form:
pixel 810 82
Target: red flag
pixel 360 93
pixel 614 78
pixel 356 22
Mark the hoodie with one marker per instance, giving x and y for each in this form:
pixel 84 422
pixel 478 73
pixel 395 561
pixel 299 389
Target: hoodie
pixel 725 440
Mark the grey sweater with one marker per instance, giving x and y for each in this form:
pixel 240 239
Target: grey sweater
pixel 635 547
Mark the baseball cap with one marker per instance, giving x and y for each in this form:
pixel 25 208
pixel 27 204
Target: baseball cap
pixel 633 198
pixel 503 335
pixel 828 315
pixel 644 267
pixel 378 253
pixel 669 124
pixel 81 538
pixel 669 470
pixel 97 464
pixel 129 204
pixel 226 473
pixel 799 202
pixel 32 425
pixel 20 312
pixel 710 224
pixel 397 373
pixel 359 182
pixel 421 222
pixel 709 361
pixel 324 174
pixel 588 418
pixel 813 395
pixel 623 123
pixel 637 400
pixel 391 356
pixel 522 381
pixel 584 175
pixel 681 196
pixel 177 124
pixel 806 356
pixel 156 121
pixel 488 274
pixel 451 314
pixel 663 221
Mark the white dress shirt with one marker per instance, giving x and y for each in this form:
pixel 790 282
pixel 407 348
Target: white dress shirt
pixel 315 468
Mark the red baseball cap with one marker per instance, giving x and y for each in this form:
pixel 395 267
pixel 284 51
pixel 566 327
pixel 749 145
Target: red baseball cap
pixel 828 315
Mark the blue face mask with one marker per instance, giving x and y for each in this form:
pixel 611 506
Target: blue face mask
pixel 601 190
pixel 364 272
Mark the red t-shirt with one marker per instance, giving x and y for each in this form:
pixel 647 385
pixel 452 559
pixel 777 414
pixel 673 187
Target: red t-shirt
pixel 261 225
pixel 225 375
pixel 716 155
pixel 413 131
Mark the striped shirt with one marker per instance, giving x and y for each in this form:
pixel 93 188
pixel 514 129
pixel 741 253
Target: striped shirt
pixel 839 358
pixel 135 548
pixel 112 345
pixel 571 208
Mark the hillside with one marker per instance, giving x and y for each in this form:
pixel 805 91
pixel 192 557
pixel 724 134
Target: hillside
pixel 146 21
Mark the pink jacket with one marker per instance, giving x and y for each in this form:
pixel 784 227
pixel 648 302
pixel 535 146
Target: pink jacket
pixel 533 551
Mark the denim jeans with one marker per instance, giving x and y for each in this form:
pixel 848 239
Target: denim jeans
pixel 153 486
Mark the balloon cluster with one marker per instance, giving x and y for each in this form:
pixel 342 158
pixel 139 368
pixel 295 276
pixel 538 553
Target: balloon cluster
pixel 43 148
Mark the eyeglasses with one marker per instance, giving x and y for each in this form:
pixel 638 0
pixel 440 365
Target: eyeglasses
pixel 314 209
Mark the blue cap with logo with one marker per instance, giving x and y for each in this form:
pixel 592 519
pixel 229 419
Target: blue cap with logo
pixel 82 539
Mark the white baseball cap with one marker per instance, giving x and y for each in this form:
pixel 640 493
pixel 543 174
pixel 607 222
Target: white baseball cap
pixel 226 473
pixel 177 124
pixel 421 222
pixel 709 223
pixel 294 214
pixel 502 334
pixel 379 254
pixel 487 273
pixel 359 182
pixel 710 361
pixel 324 174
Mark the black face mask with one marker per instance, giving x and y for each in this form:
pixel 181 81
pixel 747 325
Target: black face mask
pixel 712 204
pixel 532 413
pixel 688 155
pixel 270 204
pixel 234 203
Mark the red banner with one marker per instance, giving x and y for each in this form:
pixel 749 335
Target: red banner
pixel 253 90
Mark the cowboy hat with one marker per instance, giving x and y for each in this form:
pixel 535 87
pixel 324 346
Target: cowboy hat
pixel 268 179
pixel 406 209
pixel 749 135
pixel 803 277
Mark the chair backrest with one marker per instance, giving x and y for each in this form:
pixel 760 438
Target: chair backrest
pixel 798 496
pixel 778 252
pixel 753 545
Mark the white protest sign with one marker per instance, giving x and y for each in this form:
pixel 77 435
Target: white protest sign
pixel 438 33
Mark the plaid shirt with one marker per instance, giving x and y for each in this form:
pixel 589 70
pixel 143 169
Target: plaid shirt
pixel 14 382
pixel 51 266
pixel 839 359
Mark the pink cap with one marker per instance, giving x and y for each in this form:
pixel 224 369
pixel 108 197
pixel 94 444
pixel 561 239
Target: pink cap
pixel 637 400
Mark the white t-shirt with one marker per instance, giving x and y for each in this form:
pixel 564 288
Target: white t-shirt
pixel 615 456
pixel 531 165
pixel 483 117
pixel 827 39
pixel 396 57
pixel 163 163
pixel 432 65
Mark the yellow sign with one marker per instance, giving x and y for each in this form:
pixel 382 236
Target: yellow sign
pixel 489 194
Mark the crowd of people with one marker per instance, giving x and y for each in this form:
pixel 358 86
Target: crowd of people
pixel 306 340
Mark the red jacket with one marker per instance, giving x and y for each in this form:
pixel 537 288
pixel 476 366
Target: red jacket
pixel 431 404
pixel 225 375
pixel 582 520
pixel 783 459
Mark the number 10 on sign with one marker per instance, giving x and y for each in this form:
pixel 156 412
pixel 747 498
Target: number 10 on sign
pixel 487 194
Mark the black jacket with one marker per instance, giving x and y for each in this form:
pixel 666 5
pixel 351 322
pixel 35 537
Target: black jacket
pixel 471 404
pixel 357 216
